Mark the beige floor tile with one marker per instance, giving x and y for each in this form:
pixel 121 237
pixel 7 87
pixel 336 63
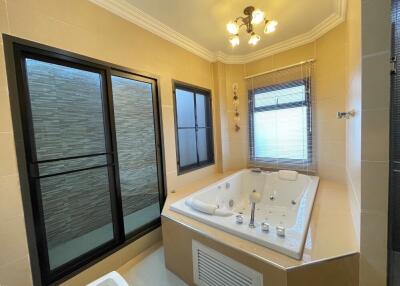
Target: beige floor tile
pixel 150 271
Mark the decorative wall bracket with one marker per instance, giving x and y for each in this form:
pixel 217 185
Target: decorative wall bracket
pixel 236 114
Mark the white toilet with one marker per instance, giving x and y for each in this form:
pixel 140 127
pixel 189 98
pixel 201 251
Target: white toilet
pixel 110 279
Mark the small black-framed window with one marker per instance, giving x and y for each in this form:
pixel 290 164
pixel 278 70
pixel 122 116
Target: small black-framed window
pixel 193 127
pixel 280 125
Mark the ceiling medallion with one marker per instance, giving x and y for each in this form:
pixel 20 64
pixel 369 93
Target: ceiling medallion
pixel 253 17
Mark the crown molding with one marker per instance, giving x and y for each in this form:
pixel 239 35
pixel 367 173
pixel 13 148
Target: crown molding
pixel 130 13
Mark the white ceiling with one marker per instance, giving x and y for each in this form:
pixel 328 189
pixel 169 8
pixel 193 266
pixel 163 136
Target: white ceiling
pixel 200 25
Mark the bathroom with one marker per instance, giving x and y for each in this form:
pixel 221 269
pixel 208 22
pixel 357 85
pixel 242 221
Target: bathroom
pixel 135 143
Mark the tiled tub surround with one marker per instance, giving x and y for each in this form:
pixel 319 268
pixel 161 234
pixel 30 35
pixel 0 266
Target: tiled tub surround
pixel 285 204
pixel 330 252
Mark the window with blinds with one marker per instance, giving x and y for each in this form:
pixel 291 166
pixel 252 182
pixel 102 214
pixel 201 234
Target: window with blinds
pixel 280 120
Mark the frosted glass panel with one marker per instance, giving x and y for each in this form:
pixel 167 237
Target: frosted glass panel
pixel 202 110
pixel 202 142
pixel 134 123
pixel 187 147
pixel 185 108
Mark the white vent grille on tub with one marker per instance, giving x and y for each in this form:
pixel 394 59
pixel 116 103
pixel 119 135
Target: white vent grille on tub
pixel 211 268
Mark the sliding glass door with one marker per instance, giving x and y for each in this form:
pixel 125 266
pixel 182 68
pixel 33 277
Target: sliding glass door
pixel 91 141
pixel 70 157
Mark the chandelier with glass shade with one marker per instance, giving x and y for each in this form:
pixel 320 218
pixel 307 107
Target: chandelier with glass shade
pixel 253 18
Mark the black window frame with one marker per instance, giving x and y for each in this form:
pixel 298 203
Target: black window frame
pixel 204 91
pixel 16 50
pixel 307 102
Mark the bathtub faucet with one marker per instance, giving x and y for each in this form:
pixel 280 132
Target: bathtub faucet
pixel 254 198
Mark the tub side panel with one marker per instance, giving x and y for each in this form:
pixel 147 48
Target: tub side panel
pixel 177 240
pixel 342 271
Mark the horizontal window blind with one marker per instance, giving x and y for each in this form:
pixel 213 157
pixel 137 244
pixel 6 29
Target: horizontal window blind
pixel 281 119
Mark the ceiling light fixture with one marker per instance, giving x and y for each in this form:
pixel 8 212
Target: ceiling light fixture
pixel 253 17
pixel 254 39
pixel 234 40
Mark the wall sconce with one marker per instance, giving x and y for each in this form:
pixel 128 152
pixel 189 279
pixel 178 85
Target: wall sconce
pixel 236 114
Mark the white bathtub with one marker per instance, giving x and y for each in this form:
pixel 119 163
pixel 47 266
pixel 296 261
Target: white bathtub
pixel 285 206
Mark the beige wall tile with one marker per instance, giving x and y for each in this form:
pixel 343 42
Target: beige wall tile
pixel 353 102
pixel 10 198
pixel 373 249
pixel 4 27
pixel 375 135
pixel 259 66
pixel 5 112
pixel 326 109
pixel 8 159
pixel 16 273
pixel 375 185
pixel 13 240
pixel 332 152
pixel 296 55
pixel 376 25
pixel 376 87
pixel 332 129
pixel 332 172
pixel 376 33
pixel 169 137
pixel 329 85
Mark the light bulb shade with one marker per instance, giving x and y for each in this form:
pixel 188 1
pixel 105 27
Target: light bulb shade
pixel 234 40
pixel 257 17
pixel 254 39
pixel 232 28
pixel 270 27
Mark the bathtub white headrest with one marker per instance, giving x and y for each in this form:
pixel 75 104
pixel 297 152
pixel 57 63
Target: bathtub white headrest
pixel 287 175
pixel 201 206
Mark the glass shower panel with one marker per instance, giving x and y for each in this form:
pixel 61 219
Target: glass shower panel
pixel 135 133
pixel 72 172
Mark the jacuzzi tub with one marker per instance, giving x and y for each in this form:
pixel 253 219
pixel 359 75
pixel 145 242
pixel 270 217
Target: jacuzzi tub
pixel 285 206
